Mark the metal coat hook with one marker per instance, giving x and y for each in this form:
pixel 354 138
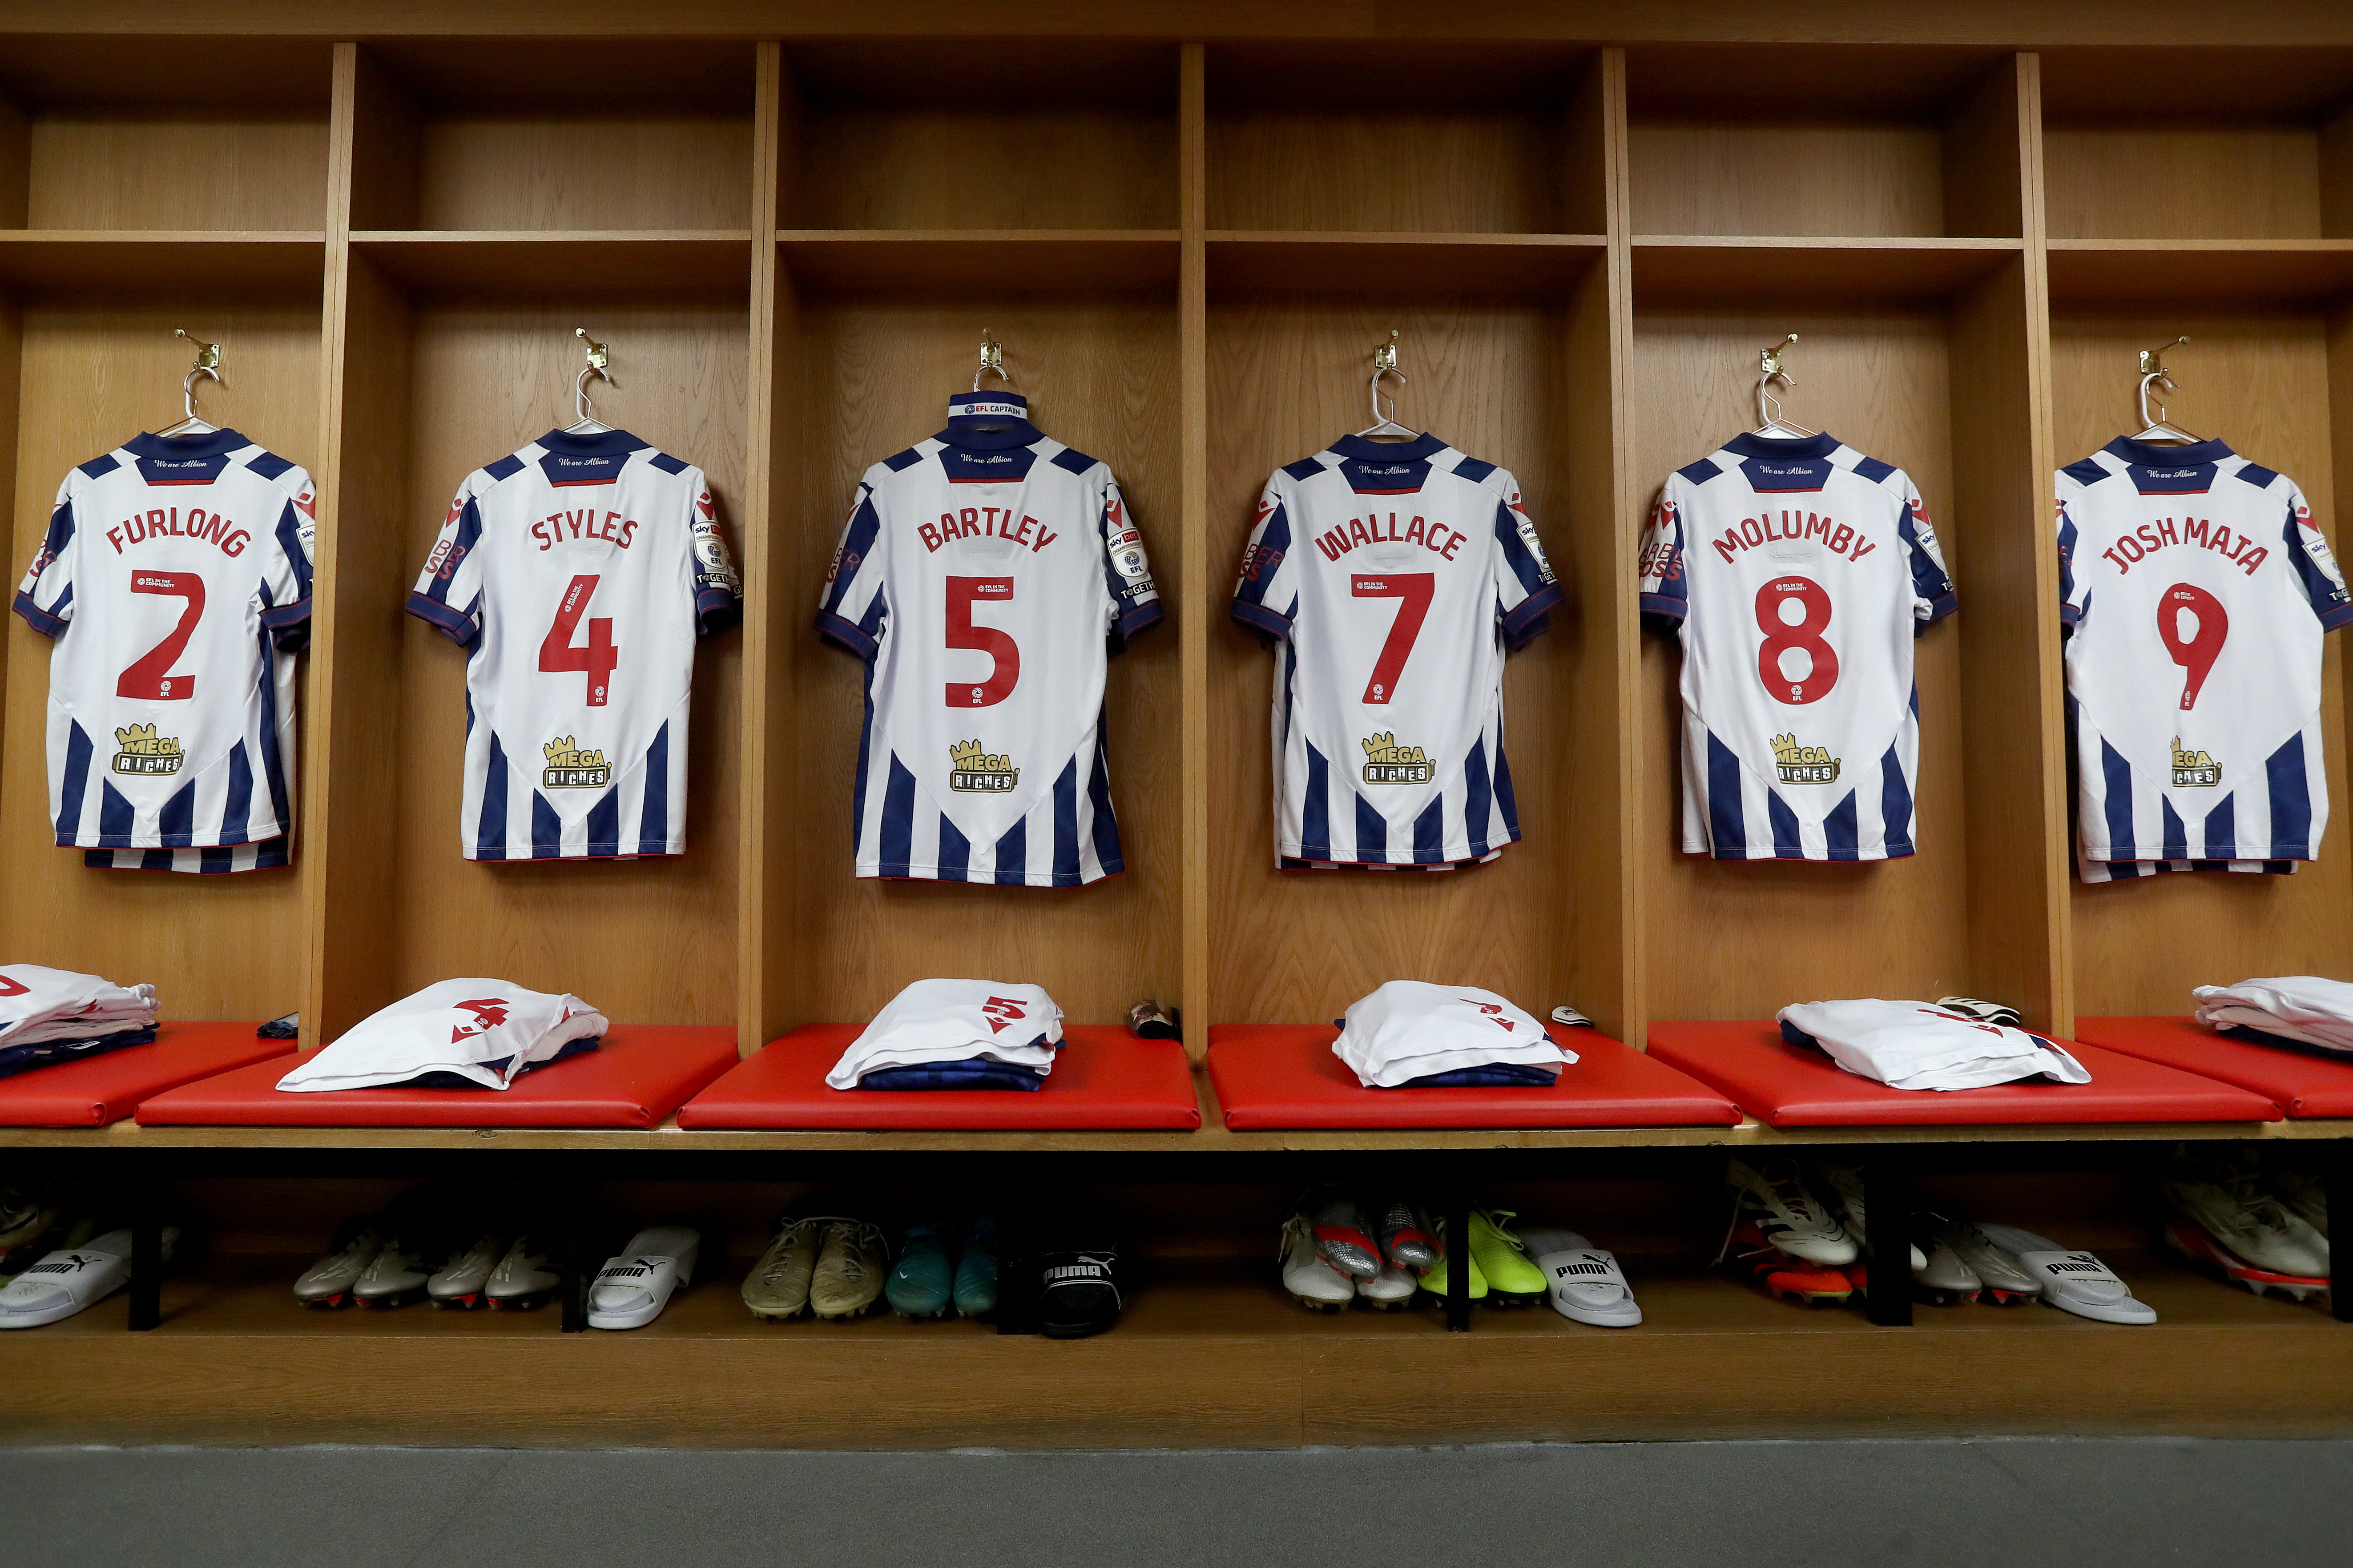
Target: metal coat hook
pixel 2154 374
pixel 1769 369
pixel 992 358
pixel 206 366
pixel 600 366
pixel 1384 363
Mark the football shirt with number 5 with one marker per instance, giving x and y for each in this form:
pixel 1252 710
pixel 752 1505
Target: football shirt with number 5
pixel 983 576
pixel 1799 572
pixel 577 575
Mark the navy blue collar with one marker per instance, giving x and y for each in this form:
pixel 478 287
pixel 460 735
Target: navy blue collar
pixel 2149 455
pixel 220 442
pixel 1750 445
pixel 990 436
pixel 611 443
pixel 1421 446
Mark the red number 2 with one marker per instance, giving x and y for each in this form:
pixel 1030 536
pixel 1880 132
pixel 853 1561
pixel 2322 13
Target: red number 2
pixel 1415 588
pixel 596 658
pixel 1004 655
pixel 1782 637
pixel 150 676
pixel 2198 655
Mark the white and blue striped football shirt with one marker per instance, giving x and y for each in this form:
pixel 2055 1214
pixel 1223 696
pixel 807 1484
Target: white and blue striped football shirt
pixel 174 583
pixel 1391 578
pixel 1799 572
pixel 577 574
pixel 984 577
pixel 2197 591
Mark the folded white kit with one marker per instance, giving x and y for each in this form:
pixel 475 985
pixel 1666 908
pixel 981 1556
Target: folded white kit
pixel 38 1004
pixel 956 1021
pixel 1408 1029
pixel 2301 1007
pixel 481 1032
pixel 1916 1045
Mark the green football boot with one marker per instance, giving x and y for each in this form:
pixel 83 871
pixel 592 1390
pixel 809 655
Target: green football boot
pixel 1503 1258
pixel 975 1275
pixel 921 1285
pixel 1434 1282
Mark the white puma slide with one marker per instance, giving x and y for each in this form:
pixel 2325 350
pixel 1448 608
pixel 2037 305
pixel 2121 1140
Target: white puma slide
pixel 632 1290
pixel 2074 1281
pixel 64 1282
pixel 1582 1282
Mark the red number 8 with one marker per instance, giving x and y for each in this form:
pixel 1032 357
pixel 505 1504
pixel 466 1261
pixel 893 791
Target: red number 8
pixel 1781 637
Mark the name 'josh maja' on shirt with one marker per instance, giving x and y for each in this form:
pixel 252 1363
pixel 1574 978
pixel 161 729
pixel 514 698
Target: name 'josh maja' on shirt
pixel 2196 531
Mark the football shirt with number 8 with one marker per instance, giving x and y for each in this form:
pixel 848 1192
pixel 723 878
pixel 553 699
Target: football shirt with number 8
pixel 1799 572
pixel 577 574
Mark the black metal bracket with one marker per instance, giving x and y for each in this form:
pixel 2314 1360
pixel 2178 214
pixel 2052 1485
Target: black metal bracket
pixel 1887 1200
pixel 1458 1257
pixel 2338 1179
pixel 572 1267
pixel 148 1199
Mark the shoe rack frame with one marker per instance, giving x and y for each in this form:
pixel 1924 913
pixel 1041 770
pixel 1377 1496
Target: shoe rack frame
pixel 1190 231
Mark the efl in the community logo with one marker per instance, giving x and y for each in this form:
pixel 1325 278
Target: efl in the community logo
pixel 1386 762
pixel 570 767
pixel 1803 764
pixel 145 752
pixel 2194 770
pixel 973 770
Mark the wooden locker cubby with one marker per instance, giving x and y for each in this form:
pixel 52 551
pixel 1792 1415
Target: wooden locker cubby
pixel 1188 239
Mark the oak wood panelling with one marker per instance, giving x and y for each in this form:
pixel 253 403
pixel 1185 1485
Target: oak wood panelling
pixel 252 267
pixel 2245 179
pixel 258 168
pixel 1101 373
pixel 1738 940
pixel 1287 375
pixel 93 374
pixel 12 343
pixel 1445 170
pixel 1193 611
pixel 1714 177
pixel 2260 380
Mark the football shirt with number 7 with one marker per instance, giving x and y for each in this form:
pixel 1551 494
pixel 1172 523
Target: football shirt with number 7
pixel 1798 571
pixel 1391 578
pixel 577 574
pixel 983 576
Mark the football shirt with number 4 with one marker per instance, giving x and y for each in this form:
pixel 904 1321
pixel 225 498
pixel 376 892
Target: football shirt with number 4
pixel 1799 572
pixel 577 575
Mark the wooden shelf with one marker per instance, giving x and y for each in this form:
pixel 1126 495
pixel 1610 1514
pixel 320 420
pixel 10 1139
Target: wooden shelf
pixel 1013 258
pixel 1736 272
pixel 2201 272
pixel 560 263
pixel 1329 263
pixel 164 262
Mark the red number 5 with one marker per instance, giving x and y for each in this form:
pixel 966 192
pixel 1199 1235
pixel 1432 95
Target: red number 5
pixel 1782 637
pixel 1004 655
pixel 596 658
pixel 150 676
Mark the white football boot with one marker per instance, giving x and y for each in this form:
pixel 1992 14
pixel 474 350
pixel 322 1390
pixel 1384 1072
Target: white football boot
pixel 1313 1283
pixel 632 1289
pixel 2303 1191
pixel 462 1281
pixel 1845 1184
pixel 394 1276
pixel 26 1209
pixel 1344 1236
pixel 1583 1283
pixel 523 1280
pixel 329 1281
pixel 1785 1214
pixel 1941 1278
pixel 64 1282
pixel 2228 1199
pixel 1390 1291
pixel 1999 1279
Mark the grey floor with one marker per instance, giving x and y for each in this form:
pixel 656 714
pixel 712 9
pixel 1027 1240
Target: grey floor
pixel 2008 1503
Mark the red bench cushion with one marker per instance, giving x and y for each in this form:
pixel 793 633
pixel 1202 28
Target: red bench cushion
pixel 1284 1075
pixel 1799 1086
pixel 1105 1079
pixel 2300 1083
pixel 104 1088
pixel 642 1073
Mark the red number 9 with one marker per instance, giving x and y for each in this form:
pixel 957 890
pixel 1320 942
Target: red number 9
pixel 2198 655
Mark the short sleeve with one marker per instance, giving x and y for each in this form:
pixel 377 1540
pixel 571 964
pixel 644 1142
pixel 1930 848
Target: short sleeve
pixel 1933 597
pixel 45 598
pixel 1665 592
pixel 1127 570
pixel 1266 588
pixel 717 588
pixel 285 591
pixel 2315 565
pixel 852 608
pixel 449 593
pixel 1525 590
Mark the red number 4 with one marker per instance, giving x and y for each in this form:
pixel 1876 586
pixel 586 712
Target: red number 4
pixel 596 658
pixel 1415 588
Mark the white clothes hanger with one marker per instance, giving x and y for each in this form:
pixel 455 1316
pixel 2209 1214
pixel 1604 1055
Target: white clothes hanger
pixel 1769 421
pixel 992 359
pixel 207 365
pixel 1385 426
pixel 2154 428
pixel 599 366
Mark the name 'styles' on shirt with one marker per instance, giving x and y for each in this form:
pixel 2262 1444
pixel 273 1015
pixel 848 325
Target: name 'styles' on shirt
pixel 577 574
pixel 175 584
pixel 1798 572
pixel 1391 578
pixel 2197 589
pixel 984 576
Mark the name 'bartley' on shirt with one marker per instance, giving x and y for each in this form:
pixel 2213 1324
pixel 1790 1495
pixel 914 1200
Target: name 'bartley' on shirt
pixel 985 522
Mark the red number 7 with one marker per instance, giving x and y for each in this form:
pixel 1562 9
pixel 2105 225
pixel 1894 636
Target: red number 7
pixel 1415 588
